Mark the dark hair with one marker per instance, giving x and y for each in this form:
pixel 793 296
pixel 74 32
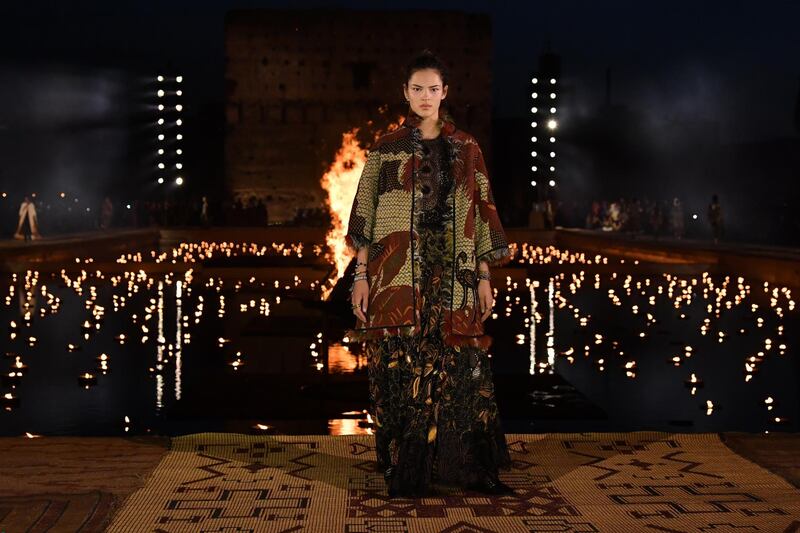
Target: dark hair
pixel 427 59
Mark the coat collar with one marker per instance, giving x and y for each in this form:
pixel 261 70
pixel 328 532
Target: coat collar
pixel 448 130
pixel 446 123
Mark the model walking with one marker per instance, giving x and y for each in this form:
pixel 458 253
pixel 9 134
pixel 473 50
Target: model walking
pixel 426 231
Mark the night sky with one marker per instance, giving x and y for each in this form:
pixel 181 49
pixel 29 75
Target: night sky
pixel 735 61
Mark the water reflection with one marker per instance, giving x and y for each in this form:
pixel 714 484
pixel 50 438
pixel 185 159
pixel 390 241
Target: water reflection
pixel 646 349
pixel 178 338
pixel 351 426
pixel 620 339
pixel 341 359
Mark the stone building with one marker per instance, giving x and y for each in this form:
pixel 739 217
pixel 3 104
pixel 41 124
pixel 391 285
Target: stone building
pixel 297 80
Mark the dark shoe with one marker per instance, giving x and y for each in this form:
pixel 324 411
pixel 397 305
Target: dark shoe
pixel 393 491
pixel 391 487
pixel 489 484
pixel 388 474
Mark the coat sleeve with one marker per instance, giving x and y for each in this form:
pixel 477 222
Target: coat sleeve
pixel 362 215
pixel 490 238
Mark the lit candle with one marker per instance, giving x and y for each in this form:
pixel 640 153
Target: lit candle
pixel 12 378
pixel 10 401
pixel 86 379
pixel 693 381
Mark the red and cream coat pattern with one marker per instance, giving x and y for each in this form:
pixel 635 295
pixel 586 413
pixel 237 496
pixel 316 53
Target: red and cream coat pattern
pixel 385 215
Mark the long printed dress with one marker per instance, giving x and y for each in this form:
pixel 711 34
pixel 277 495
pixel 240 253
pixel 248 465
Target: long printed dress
pixel 433 404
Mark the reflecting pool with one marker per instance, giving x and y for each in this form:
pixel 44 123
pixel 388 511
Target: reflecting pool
pixel 242 337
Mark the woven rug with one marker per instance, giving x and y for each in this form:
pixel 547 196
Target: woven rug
pixel 564 482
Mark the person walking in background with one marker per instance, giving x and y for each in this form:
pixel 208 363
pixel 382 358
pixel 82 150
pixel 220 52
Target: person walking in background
pixel 715 218
pixel 27 211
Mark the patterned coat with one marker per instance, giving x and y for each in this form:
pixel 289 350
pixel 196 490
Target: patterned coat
pixel 384 216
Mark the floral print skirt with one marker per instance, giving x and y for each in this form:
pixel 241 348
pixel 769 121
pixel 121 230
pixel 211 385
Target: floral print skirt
pixel 432 404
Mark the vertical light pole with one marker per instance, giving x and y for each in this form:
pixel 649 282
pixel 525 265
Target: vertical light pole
pixel 544 91
pixel 543 133
pixel 169 131
pixel 535 158
pixel 552 124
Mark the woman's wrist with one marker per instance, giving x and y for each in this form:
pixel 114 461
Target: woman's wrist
pixel 360 272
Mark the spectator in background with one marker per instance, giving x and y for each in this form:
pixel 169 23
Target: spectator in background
pixel 657 219
pixel 261 213
pixel 635 216
pixel 204 220
pixel 27 211
pixel 549 214
pixel 106 213
pixel 594 220
pixel 677 218
pixel 715 218
pixel 613 220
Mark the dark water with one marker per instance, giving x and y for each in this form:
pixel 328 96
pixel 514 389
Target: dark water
pixel 170 383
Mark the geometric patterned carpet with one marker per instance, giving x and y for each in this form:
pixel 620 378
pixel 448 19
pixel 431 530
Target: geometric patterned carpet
pixel 564 482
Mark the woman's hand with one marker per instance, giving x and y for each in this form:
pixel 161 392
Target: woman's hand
pixel 486 298
pixel 360 297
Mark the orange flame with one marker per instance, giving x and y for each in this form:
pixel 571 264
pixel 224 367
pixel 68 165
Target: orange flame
pixel 340 181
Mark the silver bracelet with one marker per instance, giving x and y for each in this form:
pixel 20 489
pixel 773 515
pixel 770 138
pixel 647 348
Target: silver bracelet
pixel 352 285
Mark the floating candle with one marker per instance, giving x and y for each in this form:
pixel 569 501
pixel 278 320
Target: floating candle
pixel 693 381
pixel 86 379
pixel 9 401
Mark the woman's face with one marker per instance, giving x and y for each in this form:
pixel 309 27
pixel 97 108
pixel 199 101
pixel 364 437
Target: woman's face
pixel 424 92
